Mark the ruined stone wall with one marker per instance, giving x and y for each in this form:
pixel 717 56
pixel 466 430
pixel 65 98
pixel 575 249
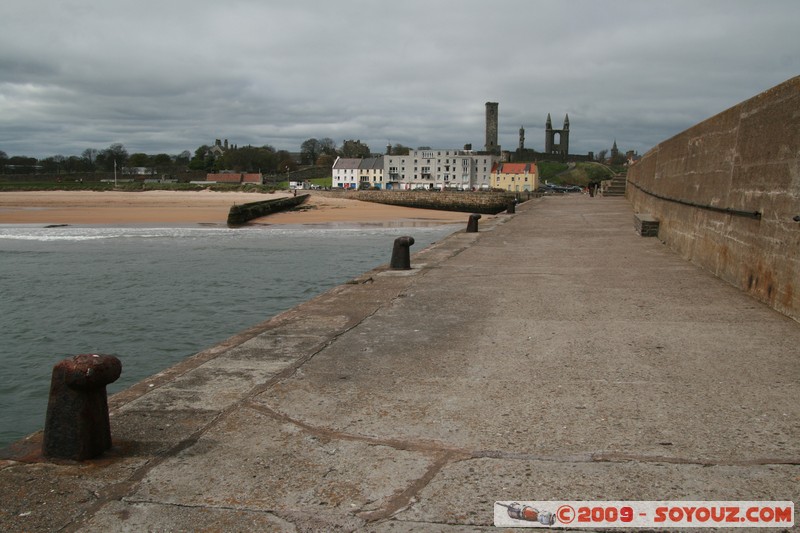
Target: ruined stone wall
pixel 726 192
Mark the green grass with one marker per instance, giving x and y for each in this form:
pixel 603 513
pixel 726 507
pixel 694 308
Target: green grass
pixel 549 169
pixel 581 174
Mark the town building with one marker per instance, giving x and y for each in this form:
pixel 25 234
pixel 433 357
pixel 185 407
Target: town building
pixel 218 149
pixel 362 173
pixel 345 173
pixel 515 177
pixel 370 173
pixel 439 169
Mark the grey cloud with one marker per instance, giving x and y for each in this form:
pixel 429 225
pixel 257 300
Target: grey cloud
pixel 165 77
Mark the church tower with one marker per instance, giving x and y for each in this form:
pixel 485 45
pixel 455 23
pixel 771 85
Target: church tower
pixel 556 142
pixel 491 145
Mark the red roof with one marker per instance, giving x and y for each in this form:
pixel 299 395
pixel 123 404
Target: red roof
pixel 225 177
pixel 514 168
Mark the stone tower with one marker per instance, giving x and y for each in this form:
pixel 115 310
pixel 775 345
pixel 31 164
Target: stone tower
pixel 521 139
pixel 556 142
pixel 491 145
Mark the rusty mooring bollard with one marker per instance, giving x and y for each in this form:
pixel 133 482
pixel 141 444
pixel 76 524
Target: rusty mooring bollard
pixel 401 255
pixel 472 225
pixel 77 425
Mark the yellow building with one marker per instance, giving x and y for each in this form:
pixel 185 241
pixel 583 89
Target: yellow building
pixel 515 177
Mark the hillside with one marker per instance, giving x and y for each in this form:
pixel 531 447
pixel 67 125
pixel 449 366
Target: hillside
pixel 572 173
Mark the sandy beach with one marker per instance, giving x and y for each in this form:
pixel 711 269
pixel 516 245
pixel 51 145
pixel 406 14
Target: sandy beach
pixel 203 207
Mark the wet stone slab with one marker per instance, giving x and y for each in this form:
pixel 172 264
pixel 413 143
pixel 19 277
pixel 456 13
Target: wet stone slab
pixel 281 468
pixel 44 497
pixel 464 492
pixel 146 433
pixel 210 387
pixel 274 348
pixel 126 517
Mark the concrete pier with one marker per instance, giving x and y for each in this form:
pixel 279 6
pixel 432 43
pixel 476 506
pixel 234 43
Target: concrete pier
pixel 553 355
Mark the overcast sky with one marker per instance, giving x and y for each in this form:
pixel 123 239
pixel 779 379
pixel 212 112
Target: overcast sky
pixel 171 75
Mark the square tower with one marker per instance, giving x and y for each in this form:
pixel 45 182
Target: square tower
pixel 491 145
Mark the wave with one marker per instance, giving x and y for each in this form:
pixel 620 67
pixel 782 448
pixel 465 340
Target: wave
pixel 83 233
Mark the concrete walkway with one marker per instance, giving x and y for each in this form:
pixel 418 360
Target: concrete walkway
pixel 554 355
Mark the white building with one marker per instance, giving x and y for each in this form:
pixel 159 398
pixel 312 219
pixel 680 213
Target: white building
pixel 352 173
pixel 345 173
pixel 439 169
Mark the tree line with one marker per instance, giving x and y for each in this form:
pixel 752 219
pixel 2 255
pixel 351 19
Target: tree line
pixel 264 159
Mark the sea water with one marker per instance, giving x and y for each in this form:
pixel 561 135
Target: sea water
pixel 154 295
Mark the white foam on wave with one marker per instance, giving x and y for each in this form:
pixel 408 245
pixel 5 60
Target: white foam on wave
pixel 93 233
pixel 79 233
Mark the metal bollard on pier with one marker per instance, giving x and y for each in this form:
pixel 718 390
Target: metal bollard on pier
pixel 77 424
pixel 401 254
pixel 472 224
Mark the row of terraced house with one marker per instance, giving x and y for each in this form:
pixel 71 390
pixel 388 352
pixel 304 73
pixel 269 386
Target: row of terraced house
pixel 435 170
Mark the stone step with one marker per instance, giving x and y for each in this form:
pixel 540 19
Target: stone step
pixel 616 187
pixel 646 225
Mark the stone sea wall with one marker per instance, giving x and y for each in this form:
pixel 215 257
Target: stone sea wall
pixel 241 214
pixel 726 193
pixel 489 203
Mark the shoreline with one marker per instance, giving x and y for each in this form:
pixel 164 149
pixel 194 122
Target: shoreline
pixel 78 208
